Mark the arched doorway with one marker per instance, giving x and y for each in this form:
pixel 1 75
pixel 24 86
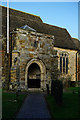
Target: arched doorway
pixel 40 81
pixel 34 76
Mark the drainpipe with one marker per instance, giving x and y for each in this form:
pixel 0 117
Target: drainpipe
pixel 10 49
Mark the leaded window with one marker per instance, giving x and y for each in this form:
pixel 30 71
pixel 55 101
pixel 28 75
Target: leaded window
pixel 64 63
pixel 35 44
pixel 60 64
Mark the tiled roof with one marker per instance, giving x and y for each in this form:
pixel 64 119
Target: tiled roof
pixel 19 19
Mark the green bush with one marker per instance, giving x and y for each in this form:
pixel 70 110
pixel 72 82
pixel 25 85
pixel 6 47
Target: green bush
pixel 57 91
pixel 66 80
pixel 72 83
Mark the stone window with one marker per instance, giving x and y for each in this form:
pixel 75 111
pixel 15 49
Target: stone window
pixel 64 63
pixel 15 60
pixel 61 64
pixel 35 44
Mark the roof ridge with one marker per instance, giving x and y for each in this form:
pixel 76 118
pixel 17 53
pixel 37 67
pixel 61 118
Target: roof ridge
pixel 23 12
pixel 75 38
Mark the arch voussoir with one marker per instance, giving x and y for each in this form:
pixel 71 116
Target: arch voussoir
pixel 42 69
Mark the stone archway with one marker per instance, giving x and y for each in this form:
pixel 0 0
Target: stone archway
pixel 42 72
pixel 34 76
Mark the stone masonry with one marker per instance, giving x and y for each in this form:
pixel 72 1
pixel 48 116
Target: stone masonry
pixel 72 68
pixel 32 49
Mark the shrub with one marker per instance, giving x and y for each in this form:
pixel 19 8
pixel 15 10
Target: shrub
pixel 52 88
pixel 73 83
pixel 57 91
pixel 66 80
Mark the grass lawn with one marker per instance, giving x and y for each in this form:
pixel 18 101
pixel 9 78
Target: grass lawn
pixel 73 89
pixel 69 110
pixel 9 105
pixel 0 103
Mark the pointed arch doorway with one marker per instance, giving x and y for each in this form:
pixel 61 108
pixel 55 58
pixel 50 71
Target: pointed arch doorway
pixel 35 74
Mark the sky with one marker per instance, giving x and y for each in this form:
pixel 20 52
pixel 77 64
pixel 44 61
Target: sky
pixel 61 14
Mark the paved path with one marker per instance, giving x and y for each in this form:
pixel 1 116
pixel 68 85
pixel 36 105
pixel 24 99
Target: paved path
pixel 34 107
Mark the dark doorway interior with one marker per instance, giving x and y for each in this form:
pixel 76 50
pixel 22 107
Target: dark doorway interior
pixel 34 83
pixel 34 76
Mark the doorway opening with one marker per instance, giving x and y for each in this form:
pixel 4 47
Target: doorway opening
pixel 34 76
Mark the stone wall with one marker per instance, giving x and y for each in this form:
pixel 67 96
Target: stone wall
pixel 5 64
pixel 71 62
pixel 79 67
pixel 31 47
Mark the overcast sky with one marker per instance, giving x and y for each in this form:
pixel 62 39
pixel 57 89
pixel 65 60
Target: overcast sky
pixel 62 14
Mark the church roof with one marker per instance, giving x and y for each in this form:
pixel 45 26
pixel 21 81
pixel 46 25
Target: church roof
pixel 77 43
pixel 19 19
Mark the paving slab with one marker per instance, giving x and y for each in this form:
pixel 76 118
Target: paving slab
pixel 34 107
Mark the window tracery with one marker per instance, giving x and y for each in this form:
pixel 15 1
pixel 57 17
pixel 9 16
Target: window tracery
pixel 64 63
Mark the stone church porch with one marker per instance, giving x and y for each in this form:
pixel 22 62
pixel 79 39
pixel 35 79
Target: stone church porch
pixel 33 60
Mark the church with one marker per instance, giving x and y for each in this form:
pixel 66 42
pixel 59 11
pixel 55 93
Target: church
pixel 38 53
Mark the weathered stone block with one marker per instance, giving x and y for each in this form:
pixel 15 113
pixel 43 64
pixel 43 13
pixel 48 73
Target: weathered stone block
pixel 36 50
